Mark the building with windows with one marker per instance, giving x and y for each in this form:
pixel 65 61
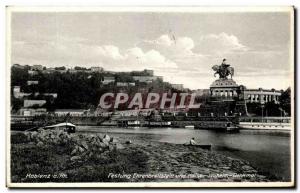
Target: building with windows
pixel 261 95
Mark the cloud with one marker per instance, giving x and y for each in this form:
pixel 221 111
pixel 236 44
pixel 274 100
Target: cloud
pixel 151 59
pixel 220 44
pixel 173 46
pixel 111 57
pixel 110 51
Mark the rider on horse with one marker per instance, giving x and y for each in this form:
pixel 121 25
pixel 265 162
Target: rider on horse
pixel 224 68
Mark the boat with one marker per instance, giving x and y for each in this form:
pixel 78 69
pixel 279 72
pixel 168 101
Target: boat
pixel 222 124
pixel 208 147
pixel 265 123
pixel 67 127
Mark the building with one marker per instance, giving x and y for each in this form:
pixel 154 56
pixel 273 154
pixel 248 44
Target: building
pixel 70 112
pixel 37 67
pixel 31 103
pixel 32 82
pixel 49 70
pixel 54 95
pixel 149 72
pixel 108 79
pixel 261 95
pixel 125 84
pixel 32 72
pixel 145 72
pixel 32 112
pixel 146 79
pixel 18 94
pixel 97 69
pixel 177 86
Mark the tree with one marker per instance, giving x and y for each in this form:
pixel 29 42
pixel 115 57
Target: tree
pixel 285 101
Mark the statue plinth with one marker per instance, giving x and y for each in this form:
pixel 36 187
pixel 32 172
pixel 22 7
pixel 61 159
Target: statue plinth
pixel 224 83
pixel 224 89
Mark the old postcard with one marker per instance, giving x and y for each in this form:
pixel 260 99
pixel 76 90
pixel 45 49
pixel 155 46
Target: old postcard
pixel 150 97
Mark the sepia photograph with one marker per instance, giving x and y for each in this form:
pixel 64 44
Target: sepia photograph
pixel 150 97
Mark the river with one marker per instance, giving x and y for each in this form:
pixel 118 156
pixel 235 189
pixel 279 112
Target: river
pixel 268 151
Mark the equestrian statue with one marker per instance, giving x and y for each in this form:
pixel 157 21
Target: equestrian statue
pixel 223 70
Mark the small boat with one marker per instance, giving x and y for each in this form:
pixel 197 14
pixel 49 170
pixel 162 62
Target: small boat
pixel 67 127
pixel 208 147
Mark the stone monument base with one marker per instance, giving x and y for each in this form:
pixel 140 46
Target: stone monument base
pixel 225 89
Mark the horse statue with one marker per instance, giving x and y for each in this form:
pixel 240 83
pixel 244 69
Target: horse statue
pixel 223 71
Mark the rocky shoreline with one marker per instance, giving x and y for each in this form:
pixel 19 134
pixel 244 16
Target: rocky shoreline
pixel 102 158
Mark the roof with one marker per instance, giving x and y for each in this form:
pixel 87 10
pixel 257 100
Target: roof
pixel 61 125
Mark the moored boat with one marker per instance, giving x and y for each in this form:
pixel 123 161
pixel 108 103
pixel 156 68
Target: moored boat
pixel 208 147
pixel 265 123
pixel 67 127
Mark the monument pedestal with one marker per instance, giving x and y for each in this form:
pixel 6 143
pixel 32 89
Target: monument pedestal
pixel 224 89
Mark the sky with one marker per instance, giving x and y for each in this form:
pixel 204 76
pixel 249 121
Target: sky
pixel 180 46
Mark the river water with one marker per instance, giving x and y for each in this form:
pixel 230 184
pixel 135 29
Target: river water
pixel 268 151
